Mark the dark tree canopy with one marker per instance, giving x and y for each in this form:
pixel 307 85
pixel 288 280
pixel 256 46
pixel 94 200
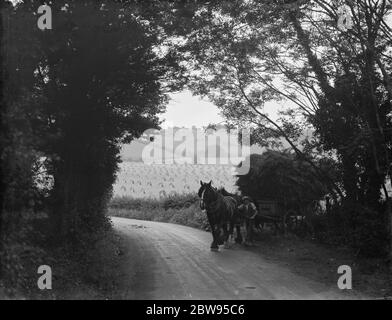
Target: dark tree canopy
pixel 74 94
pixel 282 177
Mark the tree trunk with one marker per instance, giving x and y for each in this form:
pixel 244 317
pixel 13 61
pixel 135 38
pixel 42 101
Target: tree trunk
pixel 389 212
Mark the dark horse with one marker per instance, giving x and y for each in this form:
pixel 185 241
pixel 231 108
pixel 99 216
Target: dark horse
pixel 221 211
pixel 238 219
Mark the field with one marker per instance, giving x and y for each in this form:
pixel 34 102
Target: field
pixel 139 180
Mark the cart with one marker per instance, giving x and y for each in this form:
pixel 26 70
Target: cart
pixel 275 213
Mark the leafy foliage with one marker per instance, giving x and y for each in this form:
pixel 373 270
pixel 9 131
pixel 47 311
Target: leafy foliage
pixel 73 94
pixel 335 84
pixel 281 176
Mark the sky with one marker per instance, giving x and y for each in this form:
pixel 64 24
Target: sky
pixel 185 110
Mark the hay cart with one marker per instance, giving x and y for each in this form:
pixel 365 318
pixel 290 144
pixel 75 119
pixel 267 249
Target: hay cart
pixel 275 213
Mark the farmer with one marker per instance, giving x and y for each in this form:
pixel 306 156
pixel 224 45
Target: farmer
pixel 249 211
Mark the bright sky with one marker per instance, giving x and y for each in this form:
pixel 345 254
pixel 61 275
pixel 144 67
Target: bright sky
pixel 185 110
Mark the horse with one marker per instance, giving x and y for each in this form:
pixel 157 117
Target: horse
pixel 238 218
pixel 220 213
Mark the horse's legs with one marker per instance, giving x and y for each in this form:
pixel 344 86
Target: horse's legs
pixel 214 245
pixel 231 231
pixel 231 227
pixel 218 236
pixel 216 240
pixel 238 239
pixel 226 234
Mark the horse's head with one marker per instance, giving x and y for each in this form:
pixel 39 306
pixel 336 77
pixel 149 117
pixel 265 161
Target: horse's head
pixel 201 189
pixel 207 194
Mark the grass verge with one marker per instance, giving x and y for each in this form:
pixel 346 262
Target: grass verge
pixel 179 209
pixel 88 272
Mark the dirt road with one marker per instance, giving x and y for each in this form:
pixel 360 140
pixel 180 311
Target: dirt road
pixel 168 261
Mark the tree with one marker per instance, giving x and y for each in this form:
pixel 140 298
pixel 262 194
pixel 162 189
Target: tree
pixel 95 80
pixel 20 196
pixel 71 96
pixel 244 55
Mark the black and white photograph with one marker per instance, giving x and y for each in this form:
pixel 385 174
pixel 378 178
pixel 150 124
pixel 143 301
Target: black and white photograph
pixel 212 152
